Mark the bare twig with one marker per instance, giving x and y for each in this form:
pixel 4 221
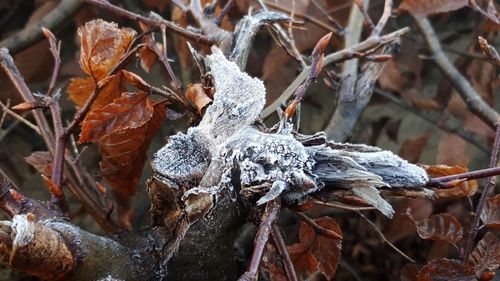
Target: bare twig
pixel 349 74
pixel 343 55
pixel 478 174
pixel 317 228
pixel 58 163
pixel 199 38
pixel 383 19
pixel 283 252
pixel 315 70
pixel 229 5
pixel 338 29
pixel 490 183
pixel 459 82
pixel 344 207
pixel 268 218
pixel 382 237
pixel 33 33
pixel 435 120
pixel 20 118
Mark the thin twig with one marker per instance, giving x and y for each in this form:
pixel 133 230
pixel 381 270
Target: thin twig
pixel 343 206
pixel 478 174
pixel 460 131
pixel 199 38
pixel 20 118
pixel 33 33
pixel 383 19
pixel 229 5
pixel 342 55
pixel 473 100
pixel 490 183
pixel 382 237
pixel 318 228
pixel 338 29
pixel 283 252
pixel 268 218
pixel 58 162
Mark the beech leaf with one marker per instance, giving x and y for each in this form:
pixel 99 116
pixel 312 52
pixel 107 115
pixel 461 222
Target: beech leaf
pixel 317 252
pixel 442 227
pixel 446 270
pixel 103 45
pixel 80 89
pixel 486 254
pixel 124 152
pixel 491 212
pixel 457 189
pixel 129 111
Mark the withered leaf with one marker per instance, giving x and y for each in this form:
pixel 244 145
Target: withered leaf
pixel 316 252
pixel 456 189
pixel 41 161
pixel 486 254
pixel 443 227
pixel 446 270
pixel 124 152
pixel 129 111
pixel 412 147
pixel 491 212
pixel 197 95
pixel 80 89
pixel 103 45
pixel 427 7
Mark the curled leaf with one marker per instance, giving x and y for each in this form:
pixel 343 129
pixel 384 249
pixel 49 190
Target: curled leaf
pixel 103 45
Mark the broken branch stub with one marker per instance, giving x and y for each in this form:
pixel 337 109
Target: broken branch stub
pixel 226 152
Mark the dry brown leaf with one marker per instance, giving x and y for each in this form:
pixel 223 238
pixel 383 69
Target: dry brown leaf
pixel 446 270
pixel 103 45
pixel 443 227
pixel 491 212
pixel 455 189
pixel 486 254
pixel 423 8
pixel 391 78
pixel 400 226
pixel 412 147
pixel 148 58
pixel 197 95
pixel 316 252
pixel 129 111
pixel 80 89
pixel 124 152
pixel 452 150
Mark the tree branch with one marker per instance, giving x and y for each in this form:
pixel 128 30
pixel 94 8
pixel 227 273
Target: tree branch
pixel 490 184
pixel 33 33
pixel 459 82
pixel 342 55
